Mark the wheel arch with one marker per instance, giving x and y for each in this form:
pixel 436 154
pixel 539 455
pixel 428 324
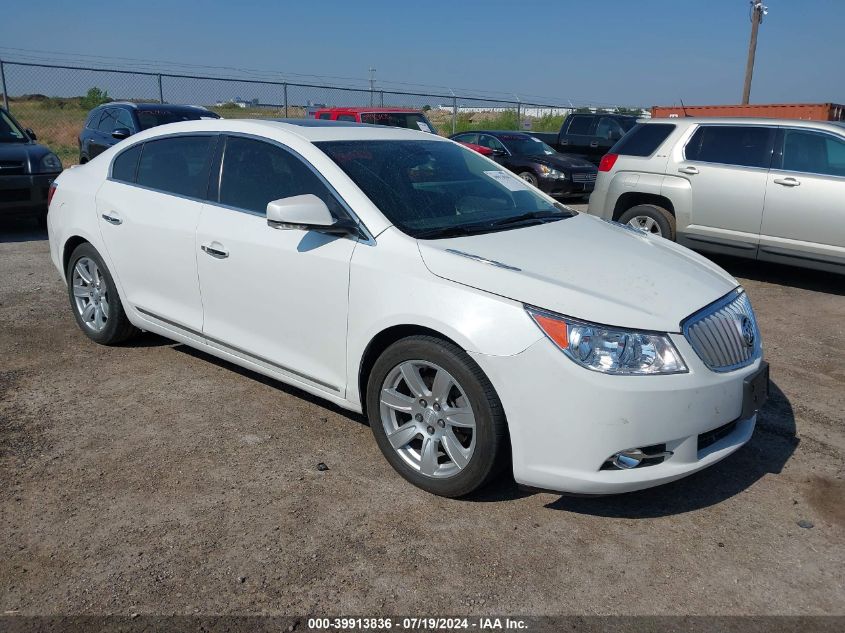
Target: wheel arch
pixel 633 198
pixel 67 250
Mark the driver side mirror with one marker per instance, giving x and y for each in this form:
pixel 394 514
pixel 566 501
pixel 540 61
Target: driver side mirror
pixel 307 213
pixel 498 152
pixel 121 133
pixel 31 134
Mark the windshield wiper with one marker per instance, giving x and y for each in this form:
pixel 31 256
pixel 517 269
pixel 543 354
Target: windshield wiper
pixel 451 231
pixel 533 216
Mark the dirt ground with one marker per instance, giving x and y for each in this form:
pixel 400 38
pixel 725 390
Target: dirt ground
pixel 154 479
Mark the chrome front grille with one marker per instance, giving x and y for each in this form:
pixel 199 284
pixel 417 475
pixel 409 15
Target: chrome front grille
pixel 725 334
pixel 583 177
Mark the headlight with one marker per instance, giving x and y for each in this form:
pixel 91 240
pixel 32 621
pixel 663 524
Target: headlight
pixel 552 173
pixel 49 164
pixel 610 350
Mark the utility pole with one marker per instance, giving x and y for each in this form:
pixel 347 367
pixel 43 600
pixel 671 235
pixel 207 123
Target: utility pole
pixel 372 85
pixel 758 10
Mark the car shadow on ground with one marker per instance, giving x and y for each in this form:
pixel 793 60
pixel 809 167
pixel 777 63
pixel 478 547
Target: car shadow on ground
pixel 271 382
pixel 782 275
pixel 21 230
pixel 773 443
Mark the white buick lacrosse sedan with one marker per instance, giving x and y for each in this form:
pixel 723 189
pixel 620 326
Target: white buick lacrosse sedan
pixel 474 321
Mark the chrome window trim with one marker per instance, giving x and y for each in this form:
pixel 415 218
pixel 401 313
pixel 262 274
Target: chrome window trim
pixel 712 308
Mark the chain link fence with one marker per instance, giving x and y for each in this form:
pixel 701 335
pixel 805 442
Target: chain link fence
pixel 53 100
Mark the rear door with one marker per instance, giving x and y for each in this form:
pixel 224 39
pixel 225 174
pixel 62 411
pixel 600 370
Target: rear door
pixel 148 211
pixel 102 140
pixel 804 213
pixel 727 167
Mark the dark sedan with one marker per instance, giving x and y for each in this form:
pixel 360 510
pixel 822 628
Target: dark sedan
pixel 110 123
pixel 26 170
pixel 558 175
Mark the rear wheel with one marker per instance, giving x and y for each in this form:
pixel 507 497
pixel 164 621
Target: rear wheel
pixel 436 417
pixel 94 299
pixel 650 218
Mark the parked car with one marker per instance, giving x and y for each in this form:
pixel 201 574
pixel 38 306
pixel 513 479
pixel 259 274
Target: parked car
pixel 558 175
pixel 108 124
pixel 393 117
pixel 26 170
pixel 398 274
pixel 589 136
pixel 765 189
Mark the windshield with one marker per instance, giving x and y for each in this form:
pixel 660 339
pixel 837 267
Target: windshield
pixel 153 118
pixel 432 189
pixel 526 145
pixel 410 120
pixel 10 132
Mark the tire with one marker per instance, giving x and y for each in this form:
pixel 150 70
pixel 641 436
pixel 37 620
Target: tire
pixel 457 471
pixel 530 177
pixel 107 324
pixel 651 218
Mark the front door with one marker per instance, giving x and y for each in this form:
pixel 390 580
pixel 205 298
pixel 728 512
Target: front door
pixel 804 215
pixel 277 298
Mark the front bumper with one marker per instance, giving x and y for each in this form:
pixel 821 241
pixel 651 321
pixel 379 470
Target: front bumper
pixel 24 194
pixel 565 421
pixel 562 188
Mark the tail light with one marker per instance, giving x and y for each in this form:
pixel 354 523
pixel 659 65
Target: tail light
pixel 607 162
pixel 51 192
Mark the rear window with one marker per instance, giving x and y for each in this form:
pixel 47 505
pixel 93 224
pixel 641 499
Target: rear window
pixel 126 164
pixel 154 118
pixel 410 120
pixel 741 145
pixel 580 124
pixel 643 139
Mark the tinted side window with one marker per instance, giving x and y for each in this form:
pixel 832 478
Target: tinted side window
pixel 813 153
pixel 106 125
pixel 580 124
pixel 124 119
pixel 255 173
pixel 126 164
pixel 486 140
pixel 324 115
pixel 609 128
pixel 345 117
pixel 467 138
pixel 177 165
pixel 93 119
pixel 732 145
pixel 643 140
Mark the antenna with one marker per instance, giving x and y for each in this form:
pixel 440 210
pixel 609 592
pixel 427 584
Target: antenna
pixel 684 108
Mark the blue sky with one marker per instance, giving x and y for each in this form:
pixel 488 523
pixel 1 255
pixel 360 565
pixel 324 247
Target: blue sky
pixel 609 52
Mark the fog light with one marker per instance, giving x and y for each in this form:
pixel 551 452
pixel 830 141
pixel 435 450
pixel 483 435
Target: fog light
pixel 628 459
pixel 635 457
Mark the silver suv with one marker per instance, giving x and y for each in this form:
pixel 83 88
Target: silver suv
pixel 766 189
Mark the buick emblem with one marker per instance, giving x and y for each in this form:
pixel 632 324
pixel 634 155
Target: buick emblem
pixel 746 328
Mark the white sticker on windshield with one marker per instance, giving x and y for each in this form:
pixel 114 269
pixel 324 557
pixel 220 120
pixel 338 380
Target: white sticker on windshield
pixel 508 180
pixel 423 126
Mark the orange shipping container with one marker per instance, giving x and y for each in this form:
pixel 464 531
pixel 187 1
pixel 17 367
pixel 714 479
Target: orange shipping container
pixel 811 111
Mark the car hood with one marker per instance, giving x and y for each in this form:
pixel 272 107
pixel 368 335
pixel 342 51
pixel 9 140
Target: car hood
pixel 585 268
pixel 563 161
pixel 27 153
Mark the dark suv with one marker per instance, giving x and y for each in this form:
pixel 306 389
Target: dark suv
pixel 589 135
pixel 110 123
pixel 26 170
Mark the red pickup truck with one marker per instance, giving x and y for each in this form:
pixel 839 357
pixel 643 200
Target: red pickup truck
pixel 394 117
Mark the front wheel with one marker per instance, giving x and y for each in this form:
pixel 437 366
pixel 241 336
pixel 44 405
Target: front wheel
pixel 529 177
pixel 436 417
pixel 94 299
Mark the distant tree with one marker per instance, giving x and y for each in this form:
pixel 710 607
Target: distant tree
pixel 631 111
pixel 583 110
pixel 426 108
pixel 93 98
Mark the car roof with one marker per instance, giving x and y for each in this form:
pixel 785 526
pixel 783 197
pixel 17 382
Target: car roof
pixel 311 130
pixel 838 125
pixel 171 107
pixel 371 109
pixel 516 133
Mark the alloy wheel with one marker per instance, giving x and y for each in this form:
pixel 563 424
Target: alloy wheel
pixel 646 224
pixel 427 418
pixel 90 294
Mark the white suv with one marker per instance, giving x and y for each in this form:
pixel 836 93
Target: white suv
pixel 759 188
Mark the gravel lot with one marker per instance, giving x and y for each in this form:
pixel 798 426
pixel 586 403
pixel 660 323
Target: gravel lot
pixel 154 479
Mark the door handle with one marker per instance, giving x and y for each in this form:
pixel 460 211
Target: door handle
pixel 594 143
pixel 787 182
pixel 692 171
pixel 564 143
pixel 218 253
pixel 111 219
